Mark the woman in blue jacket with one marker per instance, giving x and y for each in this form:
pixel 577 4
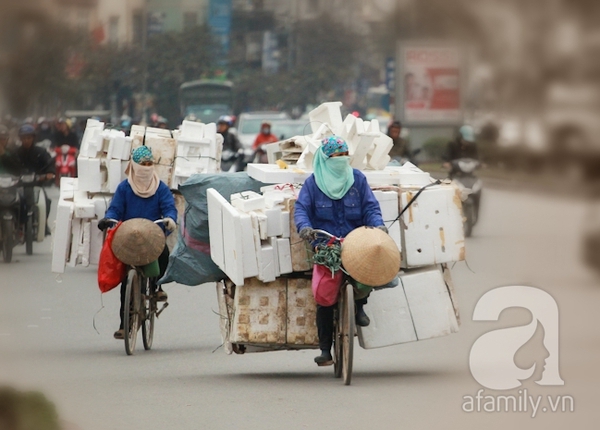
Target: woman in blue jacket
pixel 335 198
pixel 142 195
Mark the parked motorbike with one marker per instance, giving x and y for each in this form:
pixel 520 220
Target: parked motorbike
pixel 22 213
pixel 66 163
pixel 462 174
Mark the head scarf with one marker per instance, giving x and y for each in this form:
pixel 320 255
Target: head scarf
pixel 333 175
pixel 143 179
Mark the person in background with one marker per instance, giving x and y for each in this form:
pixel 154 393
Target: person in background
pixel 464 146
pixel 335 198
pixel 64 135
pixel 29 158
pixel 401 148
pixel 44 131
pixel 7 162
pixel 264 137
pixel 231 145
pixel 142 195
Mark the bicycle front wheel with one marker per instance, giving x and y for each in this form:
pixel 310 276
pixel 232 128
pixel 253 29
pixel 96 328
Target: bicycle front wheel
pixel 149 312
pixel 348 328
pixel 131 314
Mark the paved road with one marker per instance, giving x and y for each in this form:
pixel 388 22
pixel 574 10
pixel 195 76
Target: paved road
pixel 48 343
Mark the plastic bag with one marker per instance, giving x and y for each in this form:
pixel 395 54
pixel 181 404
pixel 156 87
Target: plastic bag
pixel 111 270
pixel 325 287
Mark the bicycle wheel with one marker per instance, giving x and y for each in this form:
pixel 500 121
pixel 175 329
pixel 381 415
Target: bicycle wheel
pixel 7 244
pixel 338 350
pixel 131 314
pixel 347 327
pixel 29 236
pixel 148 312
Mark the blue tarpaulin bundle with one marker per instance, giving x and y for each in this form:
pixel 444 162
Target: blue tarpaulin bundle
pixel 190 262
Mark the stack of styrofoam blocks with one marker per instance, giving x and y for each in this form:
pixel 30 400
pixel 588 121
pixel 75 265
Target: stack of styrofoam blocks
pixel 368 147
pixel 163 147
pixel 422 306
pixel 102 159
pixel 76 238
pixel 198 150
pixel 250 237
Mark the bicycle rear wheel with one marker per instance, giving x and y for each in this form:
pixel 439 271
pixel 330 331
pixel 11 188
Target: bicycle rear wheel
pixel 149 312
pixel 131 314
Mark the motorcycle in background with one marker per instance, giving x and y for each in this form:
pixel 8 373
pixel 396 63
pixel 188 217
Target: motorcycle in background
pixel 66 163
pixel 462 173
pixel 22 213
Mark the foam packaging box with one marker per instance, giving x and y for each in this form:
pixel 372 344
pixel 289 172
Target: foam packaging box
pixel 432 227
pixel 419 308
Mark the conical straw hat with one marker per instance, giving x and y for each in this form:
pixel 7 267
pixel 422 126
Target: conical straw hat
pixel 138 242
pixel 370 256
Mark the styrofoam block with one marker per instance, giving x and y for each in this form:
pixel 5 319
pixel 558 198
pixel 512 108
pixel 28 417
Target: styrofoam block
pixel 85 209
pixel 273 242
pixel 67 188
pixel 89 141
pixel 155 132
pixel 285 224
pixel 364 142
pixel 388 202
pixel 215 226
pixel 89 178
pixel 285 256
pixel 137 131
pixel 96 242
pixel 101 204
pixel 191 130
pixel 248 201
pixel 233 249
pixel 391 321
pixel 76 239
pixel 273 199
pixel 347 126
pixel 84 250
pixel 262 224
pixel 248 247
pixel 126 150
pixel 274 227
pixel 327 113
pixel 272 174
pixel 379 157
pixel 163 149
pixel 61 239
pixel 429 302
pixel 115 173
pixel 267 264
pixel 432 227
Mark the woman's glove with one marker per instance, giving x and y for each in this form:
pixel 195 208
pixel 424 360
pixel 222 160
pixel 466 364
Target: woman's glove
pixel 308 234
pixel 169 224
pixel 382 228
pixel 103 224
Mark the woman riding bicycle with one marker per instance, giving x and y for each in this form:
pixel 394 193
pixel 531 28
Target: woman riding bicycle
pixel 142 195
pixel 335 198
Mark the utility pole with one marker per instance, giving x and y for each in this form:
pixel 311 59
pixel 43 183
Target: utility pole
pixel 144 121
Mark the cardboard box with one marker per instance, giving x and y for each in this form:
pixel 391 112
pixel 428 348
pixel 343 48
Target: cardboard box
pixel 260 312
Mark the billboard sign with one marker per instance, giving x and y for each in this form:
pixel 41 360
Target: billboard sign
pixel 219 21
pixel 431 84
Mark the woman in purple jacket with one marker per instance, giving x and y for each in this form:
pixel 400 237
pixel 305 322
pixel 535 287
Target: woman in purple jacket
pixel 335 198
pixel 142 195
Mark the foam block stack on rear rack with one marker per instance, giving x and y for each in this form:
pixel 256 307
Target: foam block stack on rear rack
pixel 103 159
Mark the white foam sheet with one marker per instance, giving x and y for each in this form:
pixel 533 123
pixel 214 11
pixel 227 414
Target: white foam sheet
pixel 61 238
pixel 215 226
pixel 248 247
pixel 233 249
pixel 430 303
pixel 432 228
pixel 388 201
pixel 327 113
pixel 284 255
pixel 391 322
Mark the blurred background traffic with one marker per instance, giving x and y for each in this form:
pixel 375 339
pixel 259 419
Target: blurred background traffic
pixel 522 73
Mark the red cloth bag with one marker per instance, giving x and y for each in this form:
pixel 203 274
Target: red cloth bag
pixel 325 287
pixel 111 270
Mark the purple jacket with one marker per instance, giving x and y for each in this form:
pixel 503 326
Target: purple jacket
pixel 357 208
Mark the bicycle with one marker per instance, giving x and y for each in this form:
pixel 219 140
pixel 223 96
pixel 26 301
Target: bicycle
pixel 140 307
pixel 344 326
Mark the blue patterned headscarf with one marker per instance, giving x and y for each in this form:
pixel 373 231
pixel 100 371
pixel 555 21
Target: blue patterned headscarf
pixel 141 154
pixel 334 145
